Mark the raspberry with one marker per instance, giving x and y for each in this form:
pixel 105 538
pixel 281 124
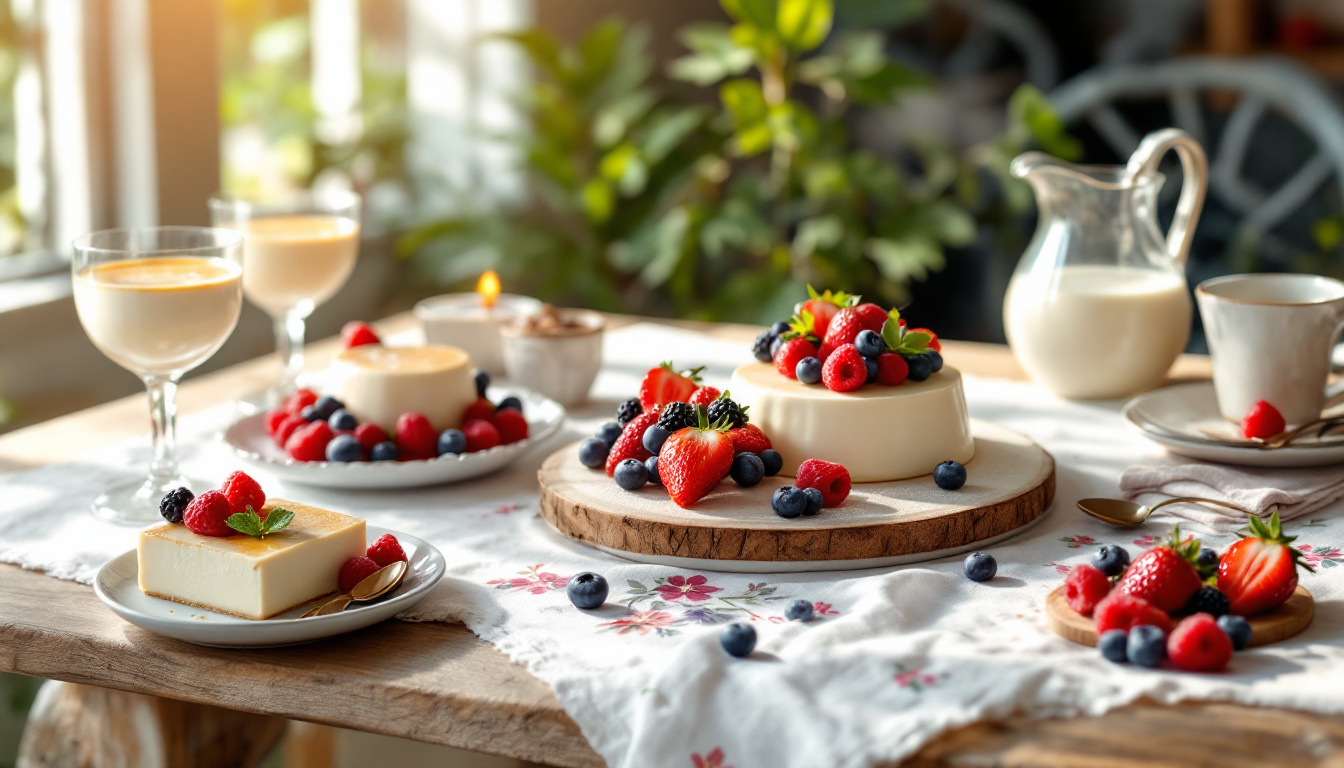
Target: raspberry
pixel 355 570
pixel 416 438
pixel 481 409
pixel 749 439
pixel 790 352
pixel 481 435
pixel 1121 610
pixel 298 400
pixel 891 369
pixel 309 442
pixel 273 420
pixel 844 370
pixel 357 334
pixel 1262 421
pixel 1198 644
pixel 286 428
pixel 369 435
pixel 826 476
pixel 205 515
pixel 933 338
pixel 704 396
pixel 386 551
pixel 242 492
pixel 512 426
pixel 1084 587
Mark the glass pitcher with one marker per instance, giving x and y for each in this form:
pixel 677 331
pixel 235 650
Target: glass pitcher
pixel 1098 306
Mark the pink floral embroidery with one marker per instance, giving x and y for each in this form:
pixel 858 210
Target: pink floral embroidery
pixel 533 580
pixel 1321 557
pixel 712 760
pixel 915 679
pixel 824 609
pixel 1146 540
pixel 695 589
pixel 1061 569
pixel 1075 542
pixel 504 509
pixel 643 623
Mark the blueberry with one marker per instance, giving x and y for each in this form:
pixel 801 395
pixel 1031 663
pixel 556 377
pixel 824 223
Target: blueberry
pixel 1207 562
pixel 774 347
pixel 869 343
pixel 1147 645
pixel 651 464
pixel 760 348
pixel 871 365
pixel 631 474
pixel 921 367
pixel 588 590
pixel 808 370
pixel 384 451
pixel 949 475
pixel 654 437
pixel 343 421
pixel 747 469
pixel 310 414
pixel 609 432
pixel 593 452
pixel 772 460
pixel 799 610
pixel 511 402
pixel 979 566
pixel 780 327
pixel 453 441
pixel 327 405
pixel 814 501
pixel 344 448
pixel 1112 644
pixel 788 501
pixel 482 382
pixel 1111 560
pixel 936 358
pixel 174 503
pixel 738 639
pixel 1237 629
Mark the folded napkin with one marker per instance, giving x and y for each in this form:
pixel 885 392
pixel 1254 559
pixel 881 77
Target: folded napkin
pixel 1294 492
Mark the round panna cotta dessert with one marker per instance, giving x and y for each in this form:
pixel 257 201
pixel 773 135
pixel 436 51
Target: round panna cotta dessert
pixel 878 433
pixel 378 384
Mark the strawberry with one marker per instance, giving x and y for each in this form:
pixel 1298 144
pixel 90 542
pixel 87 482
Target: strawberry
pixel 298 400
pixel 274 419
pixel 663 385
pixel 694 460
pixel 891 369
pixel 630 445
pixel 704 396
pixel 1259 572
pixel 824 306
pixel 845 370
pixel 790 352
pixel 480 408
pixel 369 435
pixel 749 439
pixel 847 323
pixel 357 334
pixel 416 437
pixel 1262 421
pixel 933 337
pixel 1121 610
pixel 1198 644
pixel 1165 575
pixel 1084 587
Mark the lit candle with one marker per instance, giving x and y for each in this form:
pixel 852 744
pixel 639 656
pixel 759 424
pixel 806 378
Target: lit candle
pixel 471 321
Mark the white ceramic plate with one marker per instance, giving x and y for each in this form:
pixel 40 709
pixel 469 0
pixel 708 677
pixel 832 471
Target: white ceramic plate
pixel 249 441
pixel 118 586
pixel 1173 417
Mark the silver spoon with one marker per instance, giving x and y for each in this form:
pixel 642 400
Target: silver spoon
pixel 371 587
pixel 1128 514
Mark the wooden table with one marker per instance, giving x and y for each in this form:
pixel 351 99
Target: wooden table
pixel 438 683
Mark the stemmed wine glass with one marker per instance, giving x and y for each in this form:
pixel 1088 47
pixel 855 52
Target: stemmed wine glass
pixel 158 301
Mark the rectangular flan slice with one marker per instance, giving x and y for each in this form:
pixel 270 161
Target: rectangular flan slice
pixel 246 576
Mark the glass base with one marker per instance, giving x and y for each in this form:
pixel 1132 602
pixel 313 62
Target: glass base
pixel 137 504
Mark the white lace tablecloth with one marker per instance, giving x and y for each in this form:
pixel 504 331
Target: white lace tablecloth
pixel 894 657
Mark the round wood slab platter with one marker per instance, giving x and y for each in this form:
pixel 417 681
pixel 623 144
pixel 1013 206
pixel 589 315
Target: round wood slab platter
pixel 1011 483
pixel 1279 624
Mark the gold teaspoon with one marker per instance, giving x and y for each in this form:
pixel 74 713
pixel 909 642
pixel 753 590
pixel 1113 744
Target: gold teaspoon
pixel 371 587
pixel 1128 514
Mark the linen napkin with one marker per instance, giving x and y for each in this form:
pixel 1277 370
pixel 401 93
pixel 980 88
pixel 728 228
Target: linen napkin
pixel 1294 492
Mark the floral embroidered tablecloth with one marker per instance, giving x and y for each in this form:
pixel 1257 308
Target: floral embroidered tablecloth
pixel 893 657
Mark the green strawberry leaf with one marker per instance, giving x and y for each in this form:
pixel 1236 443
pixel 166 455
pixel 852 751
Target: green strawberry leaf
pixel 802 326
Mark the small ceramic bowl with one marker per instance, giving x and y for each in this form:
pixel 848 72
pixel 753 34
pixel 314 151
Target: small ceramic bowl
pixel 459 320
pixel 561 361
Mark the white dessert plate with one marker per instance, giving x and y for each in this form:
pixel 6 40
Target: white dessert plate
pixel 249 441
pixel 118 586
pixel 1174 418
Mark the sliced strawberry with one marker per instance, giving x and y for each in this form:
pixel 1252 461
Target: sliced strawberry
pixel 704 396
pixel 694 460
pixel 749 439
pixel 933 338
pixel 1165 575
pixel 1259 572
pixel 630 445
pixel 663 385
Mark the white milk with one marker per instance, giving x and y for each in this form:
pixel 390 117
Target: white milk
pixel 297 262
pixel 1097 331
pixel 159 316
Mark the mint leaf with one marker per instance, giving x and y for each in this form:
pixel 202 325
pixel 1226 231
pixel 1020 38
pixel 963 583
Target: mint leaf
pixel 277 519
pixel 248 522
pixel 891 334
pixel 914 342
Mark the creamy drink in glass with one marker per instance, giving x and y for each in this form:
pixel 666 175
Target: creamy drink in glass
pixel 298 251
pixel 157 301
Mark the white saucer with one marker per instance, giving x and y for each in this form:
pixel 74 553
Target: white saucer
pixel 118 586
pixel 249 441
pixel 1173 417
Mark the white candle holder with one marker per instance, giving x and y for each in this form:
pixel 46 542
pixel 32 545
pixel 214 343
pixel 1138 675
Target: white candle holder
pixel 459 320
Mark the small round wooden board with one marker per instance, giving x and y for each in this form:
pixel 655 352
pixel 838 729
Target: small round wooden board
pixel 1011 483
pixel 1279 624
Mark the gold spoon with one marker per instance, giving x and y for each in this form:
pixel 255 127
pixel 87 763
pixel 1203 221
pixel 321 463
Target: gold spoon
pixel 1283 438
pixel 1128 514
pixel 372 587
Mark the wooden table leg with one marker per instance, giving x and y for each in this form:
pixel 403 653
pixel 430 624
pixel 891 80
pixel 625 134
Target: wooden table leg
pixel 83 726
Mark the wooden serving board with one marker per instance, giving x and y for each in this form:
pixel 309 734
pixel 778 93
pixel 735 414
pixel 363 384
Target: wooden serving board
pixel 1279 624
pixel 1011 483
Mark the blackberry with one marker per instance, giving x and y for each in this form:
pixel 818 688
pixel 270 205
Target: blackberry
pixel 762 346
pixel 627 411
pixel 1208 600
pixel 677 416
pixel 174 504
pixel 725 408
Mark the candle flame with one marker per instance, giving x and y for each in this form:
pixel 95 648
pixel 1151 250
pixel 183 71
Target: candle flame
pixel 488 288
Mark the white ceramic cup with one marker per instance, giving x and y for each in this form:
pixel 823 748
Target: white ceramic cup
pixel 560 366
pixel 1271 337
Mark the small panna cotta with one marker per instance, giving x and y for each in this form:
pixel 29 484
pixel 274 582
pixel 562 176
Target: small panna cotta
pixel 378 384
pixel 247 576
pixel 878 433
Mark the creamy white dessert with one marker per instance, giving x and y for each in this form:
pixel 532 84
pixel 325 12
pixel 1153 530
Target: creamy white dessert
pixel 377 384
pixel 247 576
pixel 878 433
pixel 297 262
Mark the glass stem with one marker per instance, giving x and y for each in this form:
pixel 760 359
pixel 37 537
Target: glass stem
pixel 289 329
pixel 163 416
